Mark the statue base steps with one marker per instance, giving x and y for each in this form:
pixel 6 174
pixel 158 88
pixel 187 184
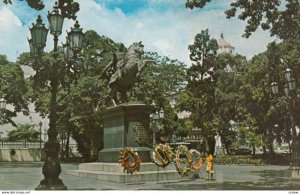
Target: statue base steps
pixel 113 172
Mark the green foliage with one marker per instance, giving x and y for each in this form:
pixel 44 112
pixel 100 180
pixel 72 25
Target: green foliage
pixel 229 159
pixel 68 7
pixel 196 3
pixel 88 95
pixel 24 132
pixel 171 123
pixel 79 113
pixel 78 97
pixel 280 17
pixel 35 4
pixel 227 95
pixel 212 94
pixel 227 88
pixel 156 86
pixel 91 93
pixel 12 152
pixel 274 159
pixel 199 96
pixel 13 89
pixel 261 109
pixel 246 138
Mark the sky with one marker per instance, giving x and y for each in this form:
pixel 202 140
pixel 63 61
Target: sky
pixel 164 26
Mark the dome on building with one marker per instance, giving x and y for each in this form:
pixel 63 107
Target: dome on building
pixel 224 46
pixel 223 43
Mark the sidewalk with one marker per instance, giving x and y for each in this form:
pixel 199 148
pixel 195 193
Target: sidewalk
pixel 26 176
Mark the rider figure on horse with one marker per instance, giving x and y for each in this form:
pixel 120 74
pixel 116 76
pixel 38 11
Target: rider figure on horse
pixel 124 73
pixel 115 65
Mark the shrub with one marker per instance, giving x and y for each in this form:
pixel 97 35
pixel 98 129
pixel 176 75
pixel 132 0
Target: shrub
pixel 230 159
pixel 12 152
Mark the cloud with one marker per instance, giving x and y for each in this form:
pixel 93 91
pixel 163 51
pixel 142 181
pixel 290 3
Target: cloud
pixel 12 32
pixel 8 19
pixel 166 27
pixel 171 30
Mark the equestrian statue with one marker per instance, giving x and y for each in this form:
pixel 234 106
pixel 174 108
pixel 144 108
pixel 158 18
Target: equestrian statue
pixel 122 74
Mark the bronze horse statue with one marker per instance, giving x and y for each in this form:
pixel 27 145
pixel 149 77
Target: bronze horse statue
pixel 124 73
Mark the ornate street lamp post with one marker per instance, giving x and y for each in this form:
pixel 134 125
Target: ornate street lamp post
pixel 75 38
pixel 156 117
pixel 289 90
pixel 2 106
pixel 40 125
pixel 2 103
pixel 51 167
pixel 68 53
pixel 39 36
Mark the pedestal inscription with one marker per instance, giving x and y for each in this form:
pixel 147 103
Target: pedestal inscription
pixel 126 125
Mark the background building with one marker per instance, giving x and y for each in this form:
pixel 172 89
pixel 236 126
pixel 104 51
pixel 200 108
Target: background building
pixel 224 46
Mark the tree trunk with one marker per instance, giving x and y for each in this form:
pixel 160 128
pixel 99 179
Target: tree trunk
pixel 67 153
pixel 290 148
pixel 264 143
pixel 62 155
pixel 253 150
pixel 211 144
pixel 271 147
pixel 227 147
pixel 223 149
pixel 264 150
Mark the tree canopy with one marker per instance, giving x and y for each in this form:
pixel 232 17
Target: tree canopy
pixel 24 132
pixel 68 8
pixel 280 17
pixel 13 89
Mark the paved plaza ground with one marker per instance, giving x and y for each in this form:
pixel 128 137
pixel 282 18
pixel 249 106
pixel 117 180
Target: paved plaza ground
pixel 26 176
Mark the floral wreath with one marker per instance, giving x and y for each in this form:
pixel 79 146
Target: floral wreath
pixel 129 167
pixel 199 163
pixel 183 152
pixel 162 155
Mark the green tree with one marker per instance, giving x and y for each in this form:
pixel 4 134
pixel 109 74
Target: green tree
pixel 199 96
pixel 260 109
pixel 88 95
pixel 24 132
pixel 281 17
pixel 248 138
pixel 159 84
pixel 78 97
pixel 68 8
pixel 284 55
pixel 35 4
pixel 256 99
pixel 13 89
pixel 227 96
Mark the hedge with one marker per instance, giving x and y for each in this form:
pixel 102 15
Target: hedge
pixel 273 159
pixel 229 159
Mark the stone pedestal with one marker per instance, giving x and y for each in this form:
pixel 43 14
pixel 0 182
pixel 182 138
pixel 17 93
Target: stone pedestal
pixel 113 172
pixel 126 125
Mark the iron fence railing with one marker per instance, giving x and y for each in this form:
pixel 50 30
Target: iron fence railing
pixel 20 145
pixel 28 145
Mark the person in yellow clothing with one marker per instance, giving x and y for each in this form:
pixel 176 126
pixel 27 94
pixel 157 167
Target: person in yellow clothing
pixel 209 166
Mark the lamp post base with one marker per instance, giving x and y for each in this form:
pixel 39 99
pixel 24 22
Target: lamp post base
pixel 295 172
pixel 49 185
pixel 51 169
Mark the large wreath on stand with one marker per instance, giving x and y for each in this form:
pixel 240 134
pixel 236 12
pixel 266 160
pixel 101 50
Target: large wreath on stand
pixel 183 160
pixel 127 155
pixel 162 155
pixel 197 161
